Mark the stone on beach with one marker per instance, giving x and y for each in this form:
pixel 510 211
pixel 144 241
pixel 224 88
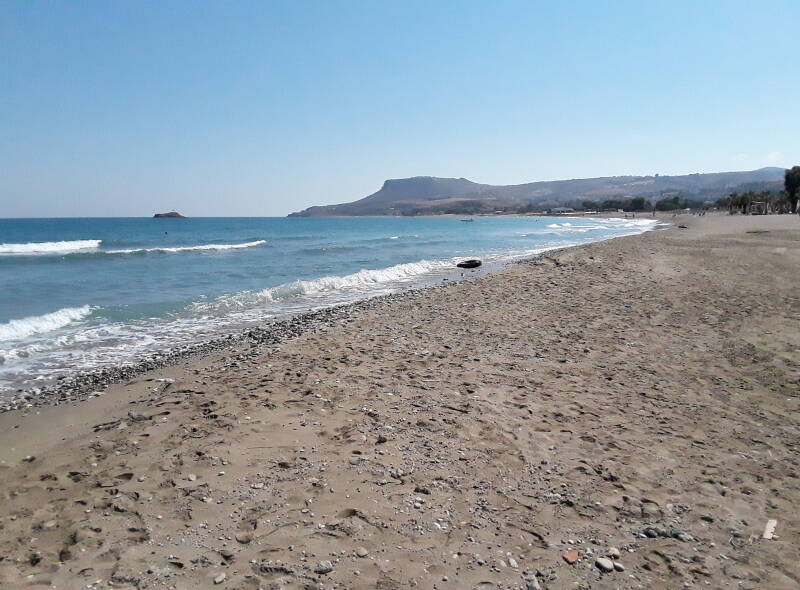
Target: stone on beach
pixel 571 556
pixel 604 564
pixel 323 567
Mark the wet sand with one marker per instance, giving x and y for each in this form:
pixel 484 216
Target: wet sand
pixel 636 398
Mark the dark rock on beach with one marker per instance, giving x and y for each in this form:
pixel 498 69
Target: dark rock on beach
pixel 469 264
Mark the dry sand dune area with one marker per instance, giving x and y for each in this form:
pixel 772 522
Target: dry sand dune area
pixel 618 415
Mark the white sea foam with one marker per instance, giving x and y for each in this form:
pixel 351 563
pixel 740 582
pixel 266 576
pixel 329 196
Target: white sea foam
pixel 190 248
pixel 24 327
pixel 403 237
pixel 363 281
pixel 49 247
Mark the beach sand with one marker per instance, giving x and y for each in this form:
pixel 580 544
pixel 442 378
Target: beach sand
pixel 637 396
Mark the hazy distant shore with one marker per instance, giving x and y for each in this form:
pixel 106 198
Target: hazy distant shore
pixel 635 398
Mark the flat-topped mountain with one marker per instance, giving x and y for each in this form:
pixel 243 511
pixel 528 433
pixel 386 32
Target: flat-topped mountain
pixel 429 195
pixel 169 214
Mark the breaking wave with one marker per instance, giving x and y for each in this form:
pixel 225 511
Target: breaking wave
pixel 49 247
pixel 22 328
pixel 189 248
pixel 361 281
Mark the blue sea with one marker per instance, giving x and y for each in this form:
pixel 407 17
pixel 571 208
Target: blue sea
pixel 79 294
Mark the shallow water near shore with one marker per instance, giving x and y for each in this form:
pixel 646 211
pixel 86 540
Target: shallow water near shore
pixel 81 294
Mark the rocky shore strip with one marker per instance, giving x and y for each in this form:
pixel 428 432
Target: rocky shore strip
pixel 623 415
pixel 82 385
pixel 85 384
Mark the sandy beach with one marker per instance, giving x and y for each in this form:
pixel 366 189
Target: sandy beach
pixel 629 406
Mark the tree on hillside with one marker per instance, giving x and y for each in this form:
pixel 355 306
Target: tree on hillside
pixel 782 204
pixel 678 201
pixel 590 205
pixel 734 203
pixel 791 182
pixel 740 202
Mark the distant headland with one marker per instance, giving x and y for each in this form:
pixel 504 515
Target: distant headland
pixel 427 195
pixel 169 214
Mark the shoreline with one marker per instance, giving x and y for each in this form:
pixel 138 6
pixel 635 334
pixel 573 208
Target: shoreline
pixel 83 384
pixel 632 398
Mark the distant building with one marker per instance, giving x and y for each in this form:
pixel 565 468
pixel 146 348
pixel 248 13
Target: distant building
pixel 561 210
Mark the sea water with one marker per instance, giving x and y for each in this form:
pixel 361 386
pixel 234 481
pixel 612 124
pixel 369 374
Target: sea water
pixel 78 294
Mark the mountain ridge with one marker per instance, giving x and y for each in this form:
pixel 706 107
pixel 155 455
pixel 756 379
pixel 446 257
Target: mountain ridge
pixel 429 195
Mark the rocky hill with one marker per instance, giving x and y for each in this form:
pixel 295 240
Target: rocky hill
pixel 428 195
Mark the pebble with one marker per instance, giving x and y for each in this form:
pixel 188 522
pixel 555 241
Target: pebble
pixel 604 564
pixel 362 551
pixel 681 536
pixel 652 532
pixel 614 553
pixel 323 567
pixel 571 556
pixel 220 578
pixel 619 567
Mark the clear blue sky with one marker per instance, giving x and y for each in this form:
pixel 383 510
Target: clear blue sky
pixel 262 108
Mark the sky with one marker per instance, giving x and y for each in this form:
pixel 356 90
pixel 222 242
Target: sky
pixel 262 108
